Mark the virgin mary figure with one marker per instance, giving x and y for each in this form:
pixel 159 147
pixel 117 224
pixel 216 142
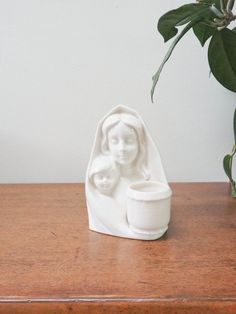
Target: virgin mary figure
pixel 123 153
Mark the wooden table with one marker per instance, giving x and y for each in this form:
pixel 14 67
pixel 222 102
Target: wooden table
pixel 51 263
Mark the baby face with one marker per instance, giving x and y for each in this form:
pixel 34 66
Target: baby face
pixel 106 180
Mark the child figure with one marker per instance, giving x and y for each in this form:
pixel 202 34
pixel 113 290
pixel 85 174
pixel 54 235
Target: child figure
pixel 104 174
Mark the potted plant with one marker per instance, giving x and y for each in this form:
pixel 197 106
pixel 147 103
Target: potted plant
pixel 210 21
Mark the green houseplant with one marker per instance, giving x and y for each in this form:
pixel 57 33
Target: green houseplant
pixel 209 20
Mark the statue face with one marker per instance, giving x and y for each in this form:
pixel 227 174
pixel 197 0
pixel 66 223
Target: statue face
pixel 123 144
pixel 106 180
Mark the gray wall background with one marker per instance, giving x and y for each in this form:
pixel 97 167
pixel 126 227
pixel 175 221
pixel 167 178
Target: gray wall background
pixel 65 63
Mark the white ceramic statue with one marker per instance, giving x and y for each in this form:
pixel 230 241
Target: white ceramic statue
pixel 126 189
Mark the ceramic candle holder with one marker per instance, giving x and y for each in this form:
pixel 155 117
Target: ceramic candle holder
pixel 148 207
pixel 127 193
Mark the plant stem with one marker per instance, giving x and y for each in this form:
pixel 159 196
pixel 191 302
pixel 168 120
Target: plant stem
pixel 233 189
pixel 230 6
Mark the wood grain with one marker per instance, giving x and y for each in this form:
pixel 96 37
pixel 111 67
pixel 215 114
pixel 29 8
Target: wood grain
pixel 51 263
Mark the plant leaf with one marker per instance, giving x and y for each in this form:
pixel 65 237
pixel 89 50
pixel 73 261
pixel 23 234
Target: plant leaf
pixel 203 11
pixel 182 15
pixel 168 21
pixel 227 164
pixel 210 2
pixel 203 32
pixel 221 58
pixel 156 76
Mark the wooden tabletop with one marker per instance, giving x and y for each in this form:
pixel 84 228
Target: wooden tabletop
pixel 51 263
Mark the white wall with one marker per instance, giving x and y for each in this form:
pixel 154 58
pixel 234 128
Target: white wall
pixel 65 63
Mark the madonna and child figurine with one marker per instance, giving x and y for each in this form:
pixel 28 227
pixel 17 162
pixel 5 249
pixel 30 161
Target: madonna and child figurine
pixel 126 189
